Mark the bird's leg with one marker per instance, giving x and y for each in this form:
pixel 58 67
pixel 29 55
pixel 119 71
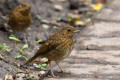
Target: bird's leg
pixel 61 70
pixel 51 71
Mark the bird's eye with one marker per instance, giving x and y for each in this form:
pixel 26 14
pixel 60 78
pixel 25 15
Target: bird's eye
pixel 68 30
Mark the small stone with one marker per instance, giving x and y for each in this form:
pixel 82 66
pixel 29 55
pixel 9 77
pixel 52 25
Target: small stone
pixel 45 26
pixel 42 72
pixel 8 77
pixel 20 78
pixel 44 60
pixel 58 7
pixel 21 75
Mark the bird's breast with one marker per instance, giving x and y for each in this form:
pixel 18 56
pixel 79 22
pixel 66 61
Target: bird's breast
pixel 65 48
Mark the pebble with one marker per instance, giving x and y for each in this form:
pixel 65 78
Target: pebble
pixel 42 72
pixel 45 26
pixel 58 7
pixel 8 77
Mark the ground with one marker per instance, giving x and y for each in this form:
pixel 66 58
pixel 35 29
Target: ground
pixel 96 52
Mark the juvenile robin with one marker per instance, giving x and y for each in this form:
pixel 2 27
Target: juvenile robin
pixel 57 47
pixel 20 18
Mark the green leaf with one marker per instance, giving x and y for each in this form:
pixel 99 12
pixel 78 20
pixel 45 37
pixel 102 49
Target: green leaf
pixel 4 47
pixel 55 27
pixel 19 56
pixel 13 37
pixel 44 65
pixel 8 50
pixel 39 17
pixel 58 19
pixel 38 41
pixel 22 51
pixel 25 46
pixel 32 79
pixel 1 56
pixel 41 66
pixel 76 19
pixel 25 58
pixel 38 65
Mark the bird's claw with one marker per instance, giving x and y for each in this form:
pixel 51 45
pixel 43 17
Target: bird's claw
pixel 64 72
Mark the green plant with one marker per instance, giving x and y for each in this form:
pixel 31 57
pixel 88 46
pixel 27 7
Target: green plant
pixel 13 37
pixel 4 47
pixel 21 52
pixel 32 79
pixel 39 17
pixel 38 41
pixel 41 66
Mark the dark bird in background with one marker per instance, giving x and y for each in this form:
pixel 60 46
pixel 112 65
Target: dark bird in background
pixel 20 18
pixel 57 47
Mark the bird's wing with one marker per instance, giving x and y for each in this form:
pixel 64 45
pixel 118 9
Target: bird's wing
pixel 44 49
pixel 12 17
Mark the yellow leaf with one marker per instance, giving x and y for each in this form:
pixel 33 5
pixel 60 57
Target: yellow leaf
pixel 97 6
pixel 78 23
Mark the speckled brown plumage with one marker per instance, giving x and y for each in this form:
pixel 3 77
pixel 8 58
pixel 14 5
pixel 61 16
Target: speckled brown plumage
pixel 20 18
pixel 58 46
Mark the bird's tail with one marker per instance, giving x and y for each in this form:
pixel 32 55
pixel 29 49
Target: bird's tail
pixel 30 60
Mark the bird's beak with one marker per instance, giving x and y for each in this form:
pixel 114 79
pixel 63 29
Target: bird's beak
pixel 77 31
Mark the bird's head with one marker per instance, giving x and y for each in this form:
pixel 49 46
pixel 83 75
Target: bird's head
pixel 24 7
pixel 68 31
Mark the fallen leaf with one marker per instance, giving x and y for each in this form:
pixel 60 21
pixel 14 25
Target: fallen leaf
pixel 78 23
pixel 13 37
pixel 97 6
pixel 8 77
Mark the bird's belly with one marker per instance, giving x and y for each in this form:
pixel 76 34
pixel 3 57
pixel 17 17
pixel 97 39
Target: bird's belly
pixel 61 51
pixel 58 55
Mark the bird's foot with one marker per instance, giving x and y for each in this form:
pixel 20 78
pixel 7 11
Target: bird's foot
pixel 52 74
pixel 64 72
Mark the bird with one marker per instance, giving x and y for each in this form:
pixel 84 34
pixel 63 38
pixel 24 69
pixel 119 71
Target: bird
pixel 19 19
pixel 57 47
